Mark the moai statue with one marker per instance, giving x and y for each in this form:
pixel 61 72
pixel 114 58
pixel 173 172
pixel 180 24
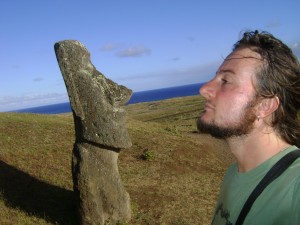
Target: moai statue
pixel 101 132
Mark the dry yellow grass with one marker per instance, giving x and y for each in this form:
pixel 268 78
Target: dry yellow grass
pixel 171 172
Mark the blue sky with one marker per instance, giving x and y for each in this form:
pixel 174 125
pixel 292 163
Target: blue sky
pixel 141 44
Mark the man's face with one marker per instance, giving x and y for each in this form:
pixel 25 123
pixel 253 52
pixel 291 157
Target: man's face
pixel 230 96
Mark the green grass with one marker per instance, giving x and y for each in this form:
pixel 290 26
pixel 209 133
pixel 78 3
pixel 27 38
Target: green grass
pixel 171 172
pixel 35 161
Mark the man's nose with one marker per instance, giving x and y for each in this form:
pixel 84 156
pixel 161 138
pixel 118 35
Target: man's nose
pixel 208 89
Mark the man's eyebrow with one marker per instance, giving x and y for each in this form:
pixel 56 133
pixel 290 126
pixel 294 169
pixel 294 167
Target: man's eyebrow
pixel 243 57
pixel 225 71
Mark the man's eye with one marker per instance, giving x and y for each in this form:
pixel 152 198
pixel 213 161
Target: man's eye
pixel 224 81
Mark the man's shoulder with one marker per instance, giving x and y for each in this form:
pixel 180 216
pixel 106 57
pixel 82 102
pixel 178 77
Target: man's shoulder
pixel 295 166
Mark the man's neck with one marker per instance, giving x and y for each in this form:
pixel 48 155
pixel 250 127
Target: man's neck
pixel 253 149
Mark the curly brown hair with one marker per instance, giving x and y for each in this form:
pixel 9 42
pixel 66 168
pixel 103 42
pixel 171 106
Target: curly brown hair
pixel 279 76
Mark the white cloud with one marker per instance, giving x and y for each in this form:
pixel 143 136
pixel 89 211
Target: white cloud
pixel 169 78
pixel 136 82
pixel 176 59
pixel 37 79
pixel 15 66
pixel 273 24
pixel 191 39
pixel 136 51
pixel 109 47
pixel 9 103
pixel 122 51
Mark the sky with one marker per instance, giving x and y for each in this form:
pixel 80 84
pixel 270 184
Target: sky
pixel 141 44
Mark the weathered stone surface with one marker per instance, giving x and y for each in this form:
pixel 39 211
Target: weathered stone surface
pixel 100 128
pixel 98 184
pixel 96 101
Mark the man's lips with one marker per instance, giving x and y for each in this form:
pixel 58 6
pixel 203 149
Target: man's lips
pixel 209 106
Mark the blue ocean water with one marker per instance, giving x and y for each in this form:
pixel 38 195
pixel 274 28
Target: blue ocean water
pixel 137 97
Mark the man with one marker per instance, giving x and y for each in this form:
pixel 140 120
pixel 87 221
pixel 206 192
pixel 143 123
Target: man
pixel 252 103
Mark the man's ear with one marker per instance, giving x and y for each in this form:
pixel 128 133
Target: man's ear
pixel 267 106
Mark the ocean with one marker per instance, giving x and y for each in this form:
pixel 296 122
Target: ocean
pixel 137 97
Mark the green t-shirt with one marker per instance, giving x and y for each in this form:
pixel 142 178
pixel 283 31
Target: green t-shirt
pixel 278 204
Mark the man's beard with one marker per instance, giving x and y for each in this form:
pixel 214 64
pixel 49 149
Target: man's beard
pixel 242 127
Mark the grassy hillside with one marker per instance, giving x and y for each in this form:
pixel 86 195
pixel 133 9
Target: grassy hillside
pixel 171 172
